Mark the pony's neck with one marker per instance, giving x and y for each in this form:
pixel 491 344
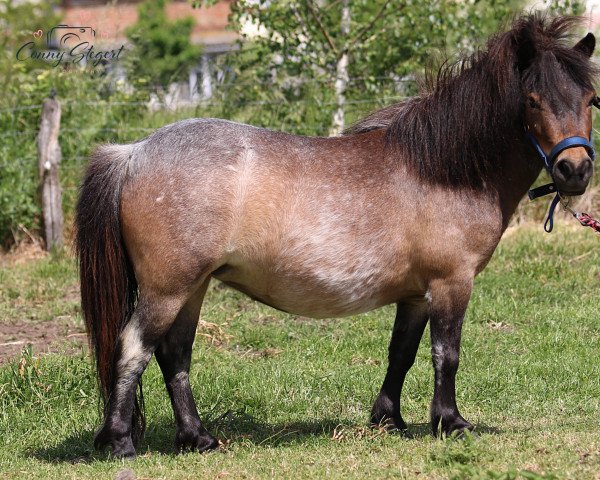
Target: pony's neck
pixel 458 134
pixel 519 172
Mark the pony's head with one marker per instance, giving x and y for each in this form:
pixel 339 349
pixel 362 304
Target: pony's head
pixel 558 96
pixel 473 113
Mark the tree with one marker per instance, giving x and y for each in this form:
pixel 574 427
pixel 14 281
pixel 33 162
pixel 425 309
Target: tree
pixel 356 46
pixel 19 20
pixel 162 51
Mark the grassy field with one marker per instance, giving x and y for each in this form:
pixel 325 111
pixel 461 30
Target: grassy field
pixel 289 397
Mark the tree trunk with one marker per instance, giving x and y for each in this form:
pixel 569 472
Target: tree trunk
pixel 341 74
pixel 49 157
pixel 207 88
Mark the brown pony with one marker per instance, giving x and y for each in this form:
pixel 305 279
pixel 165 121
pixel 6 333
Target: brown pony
pixel 407 207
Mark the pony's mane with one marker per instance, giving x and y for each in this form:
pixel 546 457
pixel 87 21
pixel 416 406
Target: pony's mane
pixel 456 132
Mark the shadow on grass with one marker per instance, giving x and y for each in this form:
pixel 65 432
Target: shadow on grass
pixel 422 430
pixel 230 428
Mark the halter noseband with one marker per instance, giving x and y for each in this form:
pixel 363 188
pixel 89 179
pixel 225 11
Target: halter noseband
pixel 569 142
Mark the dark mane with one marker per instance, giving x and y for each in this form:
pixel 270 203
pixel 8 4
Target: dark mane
pixel 456 132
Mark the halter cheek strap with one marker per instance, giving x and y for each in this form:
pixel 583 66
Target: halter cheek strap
pixel 569 142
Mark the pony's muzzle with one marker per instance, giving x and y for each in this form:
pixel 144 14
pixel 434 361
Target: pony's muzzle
pixel 572 176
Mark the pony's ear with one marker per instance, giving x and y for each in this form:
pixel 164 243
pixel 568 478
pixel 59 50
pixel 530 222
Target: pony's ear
pixel 525 51
pixel 586 45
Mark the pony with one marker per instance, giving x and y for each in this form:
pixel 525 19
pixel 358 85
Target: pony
pixel 406 207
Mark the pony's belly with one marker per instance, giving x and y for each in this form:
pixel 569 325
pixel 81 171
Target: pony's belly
pixel 307 303
pixel 314 296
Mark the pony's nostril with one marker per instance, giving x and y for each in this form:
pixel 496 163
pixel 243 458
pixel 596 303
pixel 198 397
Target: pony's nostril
pixel 585 170
pixel 565 169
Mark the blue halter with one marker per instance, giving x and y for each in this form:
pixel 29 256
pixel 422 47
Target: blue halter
pixel 569 142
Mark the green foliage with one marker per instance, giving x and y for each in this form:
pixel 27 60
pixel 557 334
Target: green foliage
pixel 291 43
pixel 565 7
pixel 18 205
pixel 93 110
pixel 18 198
pixel 203 3
pixel 162 52
pixel 19 20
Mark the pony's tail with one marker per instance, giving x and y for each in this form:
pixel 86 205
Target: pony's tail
pixel 108 284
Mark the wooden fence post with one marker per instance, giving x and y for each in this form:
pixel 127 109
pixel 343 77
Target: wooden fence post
pixel 49 157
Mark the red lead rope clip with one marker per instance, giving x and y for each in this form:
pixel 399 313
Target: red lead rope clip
pixel 583 218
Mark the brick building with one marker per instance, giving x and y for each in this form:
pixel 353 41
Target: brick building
pixel 110 19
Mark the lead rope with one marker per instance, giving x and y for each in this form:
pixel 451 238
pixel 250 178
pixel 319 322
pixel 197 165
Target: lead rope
pixel 549 223
pixel 584 219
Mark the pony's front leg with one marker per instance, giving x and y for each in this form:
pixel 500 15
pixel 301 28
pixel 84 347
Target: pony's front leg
pixel 447 305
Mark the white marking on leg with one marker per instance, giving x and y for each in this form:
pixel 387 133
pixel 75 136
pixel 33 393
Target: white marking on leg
pixel 132 353
pixel 181 377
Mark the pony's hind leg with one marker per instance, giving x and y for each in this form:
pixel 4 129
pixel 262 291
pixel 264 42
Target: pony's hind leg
pixel 151 319
pixel 174 354
pixel 409 325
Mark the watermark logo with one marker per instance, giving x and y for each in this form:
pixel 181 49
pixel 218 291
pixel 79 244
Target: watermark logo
pixel 63 36
pixel 68 44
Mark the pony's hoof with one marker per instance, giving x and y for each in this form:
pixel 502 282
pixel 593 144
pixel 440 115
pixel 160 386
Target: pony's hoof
pixel 382 415
pixel 454 427
pixel 195 441
pixel 124 451
pixel 121 447
pixel 391 425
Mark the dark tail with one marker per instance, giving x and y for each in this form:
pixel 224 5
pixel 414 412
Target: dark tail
pixel 108 284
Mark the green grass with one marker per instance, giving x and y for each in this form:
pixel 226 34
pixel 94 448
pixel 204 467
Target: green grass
pixel 40 290
pixel 290 397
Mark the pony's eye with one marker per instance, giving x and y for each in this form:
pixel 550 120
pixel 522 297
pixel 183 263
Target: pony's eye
pixel 594 101
pixel 533 103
